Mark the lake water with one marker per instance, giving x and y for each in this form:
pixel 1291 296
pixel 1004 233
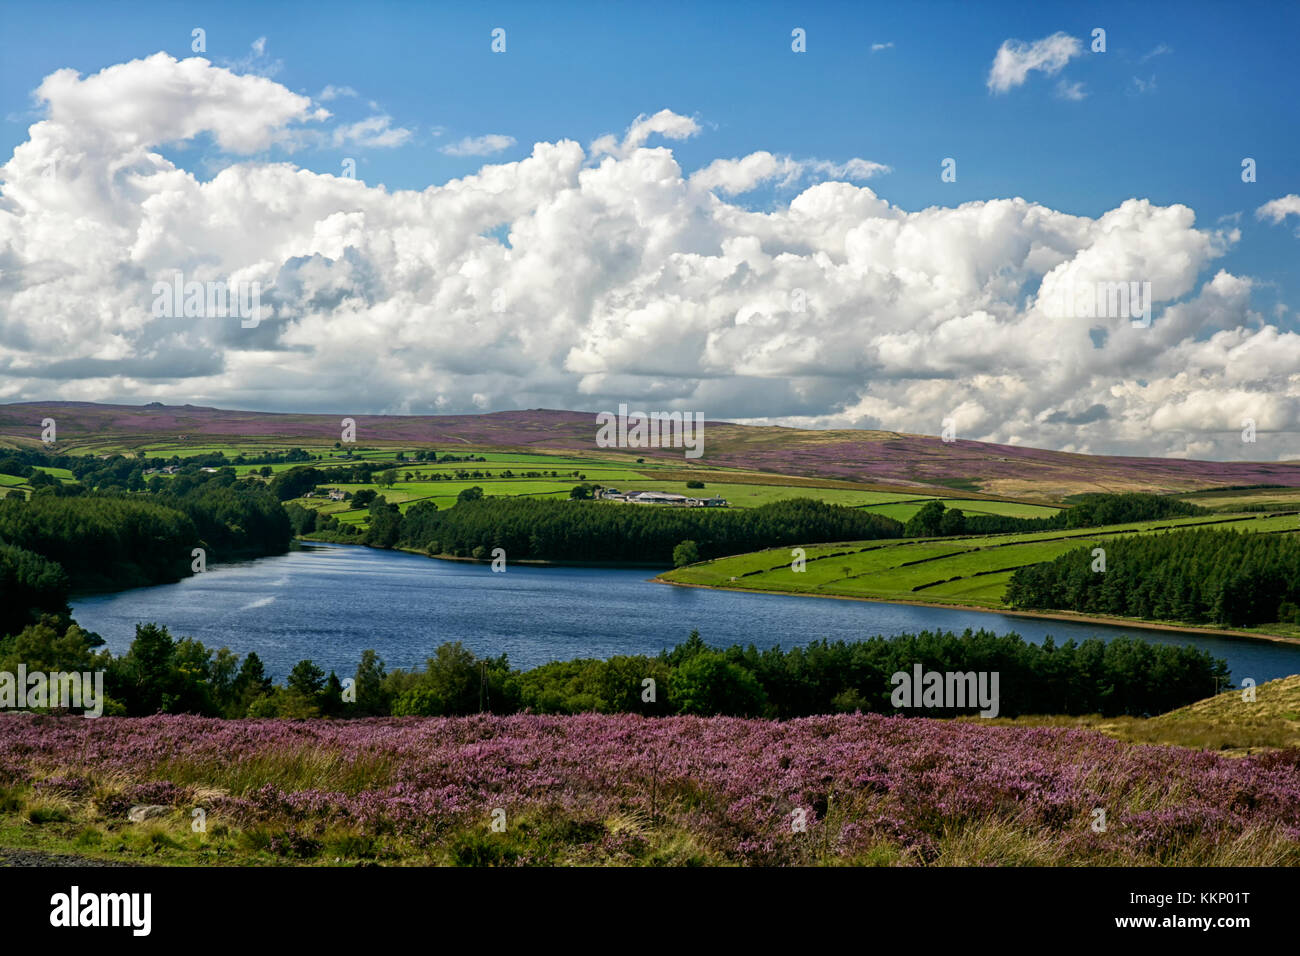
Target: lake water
pixel 328 603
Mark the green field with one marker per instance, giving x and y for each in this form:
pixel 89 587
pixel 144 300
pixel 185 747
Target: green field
pixel 957 570
pixel 615 469
pixel 1277 499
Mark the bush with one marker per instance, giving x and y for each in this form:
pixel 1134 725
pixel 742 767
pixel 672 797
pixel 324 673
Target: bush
pixel 688 552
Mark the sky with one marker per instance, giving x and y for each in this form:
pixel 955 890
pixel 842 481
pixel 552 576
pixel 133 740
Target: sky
pixel 887 216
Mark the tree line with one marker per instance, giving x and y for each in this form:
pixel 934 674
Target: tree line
pixel 541 529
pixel 53 544
pixel 161 674
pixel 1199 576
pixel 1088 511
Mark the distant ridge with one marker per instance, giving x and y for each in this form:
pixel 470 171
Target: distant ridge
pixel 878 457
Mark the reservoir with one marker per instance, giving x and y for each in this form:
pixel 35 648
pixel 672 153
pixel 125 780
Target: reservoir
pixel 330 602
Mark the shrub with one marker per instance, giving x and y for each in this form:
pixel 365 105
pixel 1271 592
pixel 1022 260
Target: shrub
pixel 688 552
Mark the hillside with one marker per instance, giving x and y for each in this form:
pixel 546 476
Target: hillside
pixel 1225 723
pixel 874 457
pixel 627 790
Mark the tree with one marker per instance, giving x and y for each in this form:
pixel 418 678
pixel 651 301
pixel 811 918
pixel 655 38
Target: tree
pixel 385 525
pixel 295 482
pixel 709 684
pixel 953 522
pixel 470 494
pixel 372 699
pixel 147 667
pixel 685 553
pixel 450 684
pixel 306 678
pixel 926 523
pixel 580 492
pixel 364 497
pixel 387 478
pixel 31 584
pixel 330 699
pixel 249 685
pixel 694 484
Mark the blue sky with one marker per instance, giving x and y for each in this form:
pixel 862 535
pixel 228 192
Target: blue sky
pixel 1182 93
pixel 1220 78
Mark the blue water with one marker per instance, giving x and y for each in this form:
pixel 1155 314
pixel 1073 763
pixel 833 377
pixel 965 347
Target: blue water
pixel 328 603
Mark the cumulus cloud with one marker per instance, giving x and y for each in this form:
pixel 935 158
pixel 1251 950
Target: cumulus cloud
pixel 877 47
pixel 666 123
pixel 1277 210
pixel 736 176
pixel 479 145
pixel 1015 60
pixel 580 278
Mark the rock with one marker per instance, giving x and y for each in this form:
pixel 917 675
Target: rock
pixel 148 811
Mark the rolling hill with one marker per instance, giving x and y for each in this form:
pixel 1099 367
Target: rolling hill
pixel 886 459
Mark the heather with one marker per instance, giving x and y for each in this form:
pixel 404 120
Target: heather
pixel 624 789
pixel 873 456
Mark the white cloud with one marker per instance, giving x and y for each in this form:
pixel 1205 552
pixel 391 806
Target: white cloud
pixel 1015 59
pixel 1070 91
pixel 373 131
pixel 853 170
pixel 1277 210
pixel 255 61
pixel 735 176
pixel 332 92
pixel 665 123
pixel 159 100
pixel 621 277
pixel 1158 50
pixel 877 47
pixel 479 145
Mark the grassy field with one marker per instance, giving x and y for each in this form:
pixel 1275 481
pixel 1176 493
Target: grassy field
pixel 625 470
pixel 972 571
pixel 1277 499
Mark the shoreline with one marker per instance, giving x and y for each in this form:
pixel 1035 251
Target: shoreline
pixel 1069 616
